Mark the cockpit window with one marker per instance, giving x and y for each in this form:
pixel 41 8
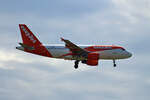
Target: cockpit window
pixel 123 49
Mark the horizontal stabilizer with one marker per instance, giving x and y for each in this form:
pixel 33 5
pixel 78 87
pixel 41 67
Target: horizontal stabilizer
pixel 26 46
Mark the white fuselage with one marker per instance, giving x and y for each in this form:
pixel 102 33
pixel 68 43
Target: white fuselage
pixel 61 52
pixel 58 51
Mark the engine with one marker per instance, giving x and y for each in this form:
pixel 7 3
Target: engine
pixel 92 59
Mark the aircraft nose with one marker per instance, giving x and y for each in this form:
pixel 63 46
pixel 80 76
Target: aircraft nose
pixel 129 54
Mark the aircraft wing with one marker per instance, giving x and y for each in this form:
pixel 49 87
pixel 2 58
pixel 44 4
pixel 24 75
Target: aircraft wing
pixel 74 48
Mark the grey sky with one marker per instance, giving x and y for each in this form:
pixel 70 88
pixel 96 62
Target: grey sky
pixel 120 22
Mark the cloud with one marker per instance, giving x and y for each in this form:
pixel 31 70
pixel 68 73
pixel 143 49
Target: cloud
pixel 46 78
pixel 135 8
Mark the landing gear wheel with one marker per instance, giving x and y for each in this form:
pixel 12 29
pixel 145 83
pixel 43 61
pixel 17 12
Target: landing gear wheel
pixel 114 62
pixel 76 64
pixel 115 65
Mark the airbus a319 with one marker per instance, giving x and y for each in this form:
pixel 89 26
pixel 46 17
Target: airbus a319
pixel 86 54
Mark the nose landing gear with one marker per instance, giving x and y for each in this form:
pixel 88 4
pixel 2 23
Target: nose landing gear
pixel 76 64
pixel 114 62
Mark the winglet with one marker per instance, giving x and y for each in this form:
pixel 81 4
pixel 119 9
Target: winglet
pixel 62 39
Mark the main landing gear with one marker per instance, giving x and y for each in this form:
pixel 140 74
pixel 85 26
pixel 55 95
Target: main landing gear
pixel 114 62
pixel 76 64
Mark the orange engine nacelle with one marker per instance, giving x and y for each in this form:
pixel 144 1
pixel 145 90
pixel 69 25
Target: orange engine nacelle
pixel 92 59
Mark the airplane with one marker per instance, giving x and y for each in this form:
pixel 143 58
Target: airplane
pixel 86 54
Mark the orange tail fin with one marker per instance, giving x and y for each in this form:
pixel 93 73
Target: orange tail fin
pixel 31 43
pixel 28 37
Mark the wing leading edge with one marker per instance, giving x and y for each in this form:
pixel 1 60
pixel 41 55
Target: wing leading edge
pixel 75 49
